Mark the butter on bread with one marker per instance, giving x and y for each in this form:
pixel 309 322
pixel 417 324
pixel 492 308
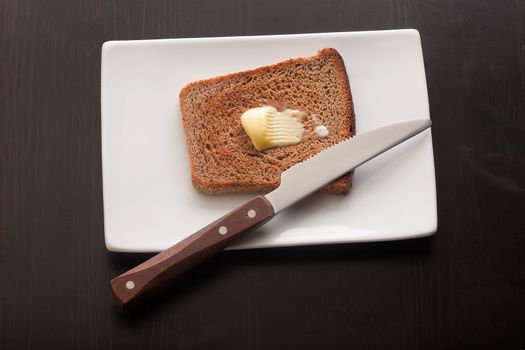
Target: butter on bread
pixel 222 157
pixel 269 128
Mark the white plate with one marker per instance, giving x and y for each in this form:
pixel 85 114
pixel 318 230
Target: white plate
pixel 149 201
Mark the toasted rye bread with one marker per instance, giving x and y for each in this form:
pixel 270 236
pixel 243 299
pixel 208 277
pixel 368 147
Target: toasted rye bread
pixel 222 157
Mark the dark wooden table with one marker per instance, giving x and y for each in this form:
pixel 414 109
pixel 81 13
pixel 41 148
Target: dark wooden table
pixel 462 288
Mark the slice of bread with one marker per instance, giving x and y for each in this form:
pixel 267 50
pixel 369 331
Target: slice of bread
pixel 222 156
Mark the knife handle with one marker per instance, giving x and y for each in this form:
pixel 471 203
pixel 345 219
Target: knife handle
pixel 192 250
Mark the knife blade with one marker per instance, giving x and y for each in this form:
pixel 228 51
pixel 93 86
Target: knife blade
pixel 324 167
pixel 296 183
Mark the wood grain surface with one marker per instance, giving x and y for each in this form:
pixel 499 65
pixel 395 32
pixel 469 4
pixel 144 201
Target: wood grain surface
pixel 462 288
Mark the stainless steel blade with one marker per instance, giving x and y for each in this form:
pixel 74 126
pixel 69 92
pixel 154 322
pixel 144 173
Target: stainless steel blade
pixel 311 174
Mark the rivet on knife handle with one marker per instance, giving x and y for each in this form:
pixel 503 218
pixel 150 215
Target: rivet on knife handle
pixel 192 250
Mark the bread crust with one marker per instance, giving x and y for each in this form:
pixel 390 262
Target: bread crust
pixel 218 186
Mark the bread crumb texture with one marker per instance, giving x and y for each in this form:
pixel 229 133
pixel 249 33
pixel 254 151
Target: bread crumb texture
pixel 222 156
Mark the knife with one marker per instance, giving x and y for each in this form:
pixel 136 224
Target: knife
pixel 296 183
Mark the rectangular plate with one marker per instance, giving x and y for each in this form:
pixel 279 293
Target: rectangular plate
pixel 149 201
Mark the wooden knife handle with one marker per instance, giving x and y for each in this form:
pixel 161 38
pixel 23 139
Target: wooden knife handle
pixel 192 250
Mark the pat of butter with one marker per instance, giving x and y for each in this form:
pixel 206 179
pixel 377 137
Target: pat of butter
pixel 321 131
pixel 269 128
